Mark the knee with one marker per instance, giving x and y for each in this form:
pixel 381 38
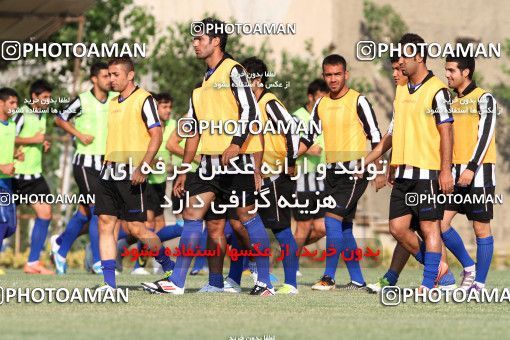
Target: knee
pixel 396 231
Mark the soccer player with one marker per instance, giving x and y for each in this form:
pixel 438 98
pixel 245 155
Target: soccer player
pixel 90 114
pixel 421 145
pixel 348 121
pixel 224 96
pixel 310 228
pixel 474 170
pixel 133 139
pixel 8 132
pixel 28 178
pixel 279 149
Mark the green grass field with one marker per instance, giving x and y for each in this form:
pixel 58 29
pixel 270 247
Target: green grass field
pixel 311 314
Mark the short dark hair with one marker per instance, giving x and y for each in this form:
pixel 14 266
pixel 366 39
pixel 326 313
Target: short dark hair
pixel 6 92
pixel 394 58
pixel 123 61
pixel 463 62
pixel 255 65
pixel 163 97
pixel 39 86
pixel 317 85
pixel 96 67
pixel 215 28
pixel 414 39
pixel 334 59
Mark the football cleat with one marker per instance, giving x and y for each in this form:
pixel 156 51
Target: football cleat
pixel 287 289
pixel 375 288
pixel 261 289
pixel 325 283
pixel 230 286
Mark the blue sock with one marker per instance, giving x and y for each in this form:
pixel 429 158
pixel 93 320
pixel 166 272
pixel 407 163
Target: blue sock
pixel 392 277
pixel 94 235
pixel 349 244
pixel 60 238
pixel 216 279
pixel 71 233
pixel 122 234
pixel 169 232
pixel 39 234
pixel 109 272
pixel 200 261
pixel 420 256
pixel 236 267
pixel 190 238
pixel 165 261
pixel 258 234
pixel 484 252
pixel 431 269
pixel 453 242
pixel 3 232
pixel 246 263
pixel 290 260
pixel 334 239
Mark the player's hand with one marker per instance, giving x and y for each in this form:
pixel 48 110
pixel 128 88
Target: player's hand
pixel 379 182
pixel 86 139
pixel 291 170
pixel 446 182
pixel 231 152
pixel 314 150
pixel 19 155
pixel 46 145
pixel 258 180
pixel 138 177
pixel 390 175
pixel 39 138
pixel 7 169
pixel 466 177
pixel 179 185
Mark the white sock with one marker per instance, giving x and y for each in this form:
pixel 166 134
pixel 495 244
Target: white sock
pixel 481 285
pixel 60 257
pixel 470 268
pixel 33 263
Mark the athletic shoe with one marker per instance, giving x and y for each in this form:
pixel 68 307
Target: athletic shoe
pixel 140 271
pixel 210 289
pixel 273 278
pixel 447 282
pixel 98 269
pixel 105 287
pixel 230 286
pixel 162 287
pixel 253 271
pixel 325 283
pixel 298 274
pixel 476 288
pixel 60 265
pixel 353 286
pixel 468 278
pixel 54 247
pixel 287 289
pixel 261 289
pixel 37 268
pixel 375 288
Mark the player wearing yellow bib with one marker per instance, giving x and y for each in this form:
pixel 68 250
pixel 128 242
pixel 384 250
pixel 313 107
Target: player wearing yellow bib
pixel 474 169
pixel 225 95
pixel 421 139
pixel 8 132
pixel 133 139
pixel 310 227
pixel 348 122
pixel 28 179
pixel 89 111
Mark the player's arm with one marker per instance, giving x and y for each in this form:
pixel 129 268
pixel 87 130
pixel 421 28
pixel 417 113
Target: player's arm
pixel 368 121
pixel 63 120
pixel 444 119
pixel 19 120
pixel 307 141
pixel 247 110
pixel 277 112
pixel 7 169
pixel 153 125
pixel 487 110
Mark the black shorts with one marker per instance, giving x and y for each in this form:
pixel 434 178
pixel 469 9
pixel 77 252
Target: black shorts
pixel 274 216
pixel 87 179
pixel 346 192
pixel 121 199
pixel 156 197
pixel 404 199
pixel 308 187
pixel 473 208
pixel 35 186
